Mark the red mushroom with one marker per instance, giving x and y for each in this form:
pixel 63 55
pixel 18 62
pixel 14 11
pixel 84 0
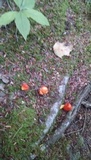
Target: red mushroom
pixel 24 86
pixel 67 106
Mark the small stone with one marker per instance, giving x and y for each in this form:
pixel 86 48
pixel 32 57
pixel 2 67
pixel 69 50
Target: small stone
pixel 2 96
pixel 5 79
pixel 2 87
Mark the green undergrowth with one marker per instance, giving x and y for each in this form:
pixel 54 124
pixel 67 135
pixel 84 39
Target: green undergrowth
pixel 88 55
pixel 22 128
pixel 21 132
pixel 64 149
pixel 88 7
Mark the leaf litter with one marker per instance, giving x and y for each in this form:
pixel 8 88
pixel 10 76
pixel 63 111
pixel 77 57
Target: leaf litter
pixel 49 74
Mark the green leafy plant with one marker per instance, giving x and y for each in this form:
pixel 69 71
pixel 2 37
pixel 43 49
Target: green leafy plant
pixel 21 17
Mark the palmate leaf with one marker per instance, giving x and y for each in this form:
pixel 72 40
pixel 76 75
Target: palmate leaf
pixel 24 4
pixel 7 18
pixel 18 3
pixel 36 16
pixel 22 24
pixel 28 4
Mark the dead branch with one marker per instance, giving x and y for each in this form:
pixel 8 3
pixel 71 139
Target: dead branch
pixel 69 118
pixel 86 104
pixel 59 132
pixel 55 108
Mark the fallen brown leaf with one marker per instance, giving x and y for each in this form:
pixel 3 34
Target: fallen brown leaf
pixel 61 49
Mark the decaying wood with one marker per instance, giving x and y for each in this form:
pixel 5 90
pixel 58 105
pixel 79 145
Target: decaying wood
pixel 53 112
pixel 69 118
pixel 55 108
pixel 59 132
pixel 86 104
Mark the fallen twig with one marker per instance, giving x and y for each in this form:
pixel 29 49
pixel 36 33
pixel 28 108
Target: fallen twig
pixel 84 121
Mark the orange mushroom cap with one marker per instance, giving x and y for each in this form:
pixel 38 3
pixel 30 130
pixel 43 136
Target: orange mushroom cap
pixel 24 86
pixel 43 90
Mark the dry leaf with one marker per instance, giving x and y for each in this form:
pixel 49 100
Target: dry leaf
pixel 61 49
pixel 7 126
pixel 62 106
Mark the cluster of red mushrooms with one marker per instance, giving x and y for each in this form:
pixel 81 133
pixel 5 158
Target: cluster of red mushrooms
pixel 43 90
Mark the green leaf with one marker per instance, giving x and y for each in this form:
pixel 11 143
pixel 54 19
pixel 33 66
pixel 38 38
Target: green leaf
pixel 37 16
pixel 28 4
pixel 7 17
pixel 18 3
pixel 24 4
pixel 23 24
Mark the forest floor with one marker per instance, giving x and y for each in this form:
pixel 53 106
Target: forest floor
pixel 34 62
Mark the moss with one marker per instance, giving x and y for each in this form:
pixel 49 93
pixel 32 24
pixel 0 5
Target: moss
pixel 18 141
pixel 22 130
pixel 59 151
pixel 87 55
